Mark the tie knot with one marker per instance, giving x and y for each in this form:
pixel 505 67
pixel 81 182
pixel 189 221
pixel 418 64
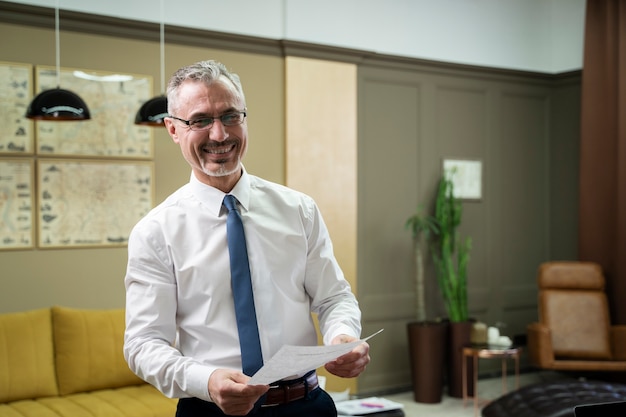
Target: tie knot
pixel 229 202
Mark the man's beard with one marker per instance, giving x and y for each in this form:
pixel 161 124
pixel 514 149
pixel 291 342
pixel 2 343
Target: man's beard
pixel 222 171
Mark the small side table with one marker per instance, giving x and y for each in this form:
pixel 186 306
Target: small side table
pixel 489 352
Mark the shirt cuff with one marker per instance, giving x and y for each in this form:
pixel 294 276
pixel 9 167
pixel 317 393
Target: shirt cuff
pixel 339 330
pixel 198 381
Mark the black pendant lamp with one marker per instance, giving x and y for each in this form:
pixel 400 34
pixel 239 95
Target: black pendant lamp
pixel 57 104
pixel 153 111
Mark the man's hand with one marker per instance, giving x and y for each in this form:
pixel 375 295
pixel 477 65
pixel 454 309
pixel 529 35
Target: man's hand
pixel 352 363
pixel 229 390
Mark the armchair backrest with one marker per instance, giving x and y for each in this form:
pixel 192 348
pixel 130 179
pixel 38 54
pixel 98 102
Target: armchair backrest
pixel 574 306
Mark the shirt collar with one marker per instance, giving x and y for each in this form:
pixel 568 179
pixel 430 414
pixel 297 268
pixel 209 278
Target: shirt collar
pixel 241 190
pixel 212 198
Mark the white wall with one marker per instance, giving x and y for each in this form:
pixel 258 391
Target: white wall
pixel 533 35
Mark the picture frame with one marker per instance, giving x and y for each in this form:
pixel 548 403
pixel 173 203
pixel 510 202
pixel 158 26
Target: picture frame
pixel 16 92
pixel 466 176
pixel 89 203
pixel 17 200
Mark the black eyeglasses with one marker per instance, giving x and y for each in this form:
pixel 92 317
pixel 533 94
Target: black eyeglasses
pixel 228 119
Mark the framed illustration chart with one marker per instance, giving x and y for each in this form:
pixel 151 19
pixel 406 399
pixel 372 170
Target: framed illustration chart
pixel 91 203
pixel 16 90
pixel 17 198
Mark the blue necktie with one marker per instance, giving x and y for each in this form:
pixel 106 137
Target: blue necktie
pixel 251 356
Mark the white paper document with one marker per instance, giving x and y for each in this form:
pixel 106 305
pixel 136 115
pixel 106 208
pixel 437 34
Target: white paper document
pixel 365 406
pixel 296 360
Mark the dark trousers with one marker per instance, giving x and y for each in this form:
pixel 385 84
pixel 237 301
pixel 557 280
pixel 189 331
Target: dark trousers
pixel 317 404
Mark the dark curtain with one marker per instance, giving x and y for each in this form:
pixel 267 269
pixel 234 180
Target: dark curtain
pixel 602 224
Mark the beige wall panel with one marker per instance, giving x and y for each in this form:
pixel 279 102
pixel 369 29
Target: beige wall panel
pixel 462 131
pixel 321 146
pixel 321 152
pixel 564 164
pixel 390 125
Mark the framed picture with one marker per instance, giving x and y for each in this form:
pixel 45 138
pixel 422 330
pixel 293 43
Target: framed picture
pixel 466 176
pixel 17 199
pixel 16 92
pixel 91 203
pixel 113 100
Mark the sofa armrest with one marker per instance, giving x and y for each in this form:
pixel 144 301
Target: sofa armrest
pixel 540 350
pixel 618 342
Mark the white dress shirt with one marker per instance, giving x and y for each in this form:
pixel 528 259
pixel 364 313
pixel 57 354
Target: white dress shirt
pixel 180 317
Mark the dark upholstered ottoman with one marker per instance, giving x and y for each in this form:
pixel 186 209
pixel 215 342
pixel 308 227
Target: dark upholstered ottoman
pixel 554 399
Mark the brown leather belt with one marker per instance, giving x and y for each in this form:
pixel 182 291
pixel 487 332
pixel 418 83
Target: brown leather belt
pixel 292 390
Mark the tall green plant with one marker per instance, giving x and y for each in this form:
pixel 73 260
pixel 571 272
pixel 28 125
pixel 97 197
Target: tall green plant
pixel 449 253
pixel 421 226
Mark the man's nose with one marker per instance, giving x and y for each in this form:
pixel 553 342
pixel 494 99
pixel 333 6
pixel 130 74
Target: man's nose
pixel 217 131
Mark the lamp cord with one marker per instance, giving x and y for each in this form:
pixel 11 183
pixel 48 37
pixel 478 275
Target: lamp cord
pixel 58 43
pixel 162 51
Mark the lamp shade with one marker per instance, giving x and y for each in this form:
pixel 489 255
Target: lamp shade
pixel 58 104
pixel 152 112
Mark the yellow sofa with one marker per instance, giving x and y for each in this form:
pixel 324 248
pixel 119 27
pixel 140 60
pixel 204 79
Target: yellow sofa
pixel 59 362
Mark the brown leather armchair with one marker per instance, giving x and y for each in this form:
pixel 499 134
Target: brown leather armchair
pixel 574 332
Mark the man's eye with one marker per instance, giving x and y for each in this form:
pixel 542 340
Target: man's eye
pixel 200 123
pixel 230 118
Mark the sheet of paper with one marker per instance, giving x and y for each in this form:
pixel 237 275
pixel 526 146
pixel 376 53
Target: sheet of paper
pixel 296 360
pixel 370 405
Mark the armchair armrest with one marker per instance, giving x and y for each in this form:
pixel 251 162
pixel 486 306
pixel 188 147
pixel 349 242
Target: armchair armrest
pixel 540 350
pixel 618 342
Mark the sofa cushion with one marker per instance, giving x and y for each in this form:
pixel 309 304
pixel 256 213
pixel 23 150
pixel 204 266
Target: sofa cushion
pixel 88 350
pixel 26 356
pixel 140 400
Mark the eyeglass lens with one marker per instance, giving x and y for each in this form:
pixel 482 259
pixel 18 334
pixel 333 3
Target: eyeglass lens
pixel 228 119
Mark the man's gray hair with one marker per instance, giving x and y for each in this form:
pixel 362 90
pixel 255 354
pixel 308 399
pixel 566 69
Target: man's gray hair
pixel 205 71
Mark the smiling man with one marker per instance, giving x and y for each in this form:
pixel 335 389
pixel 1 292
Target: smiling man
pixel 184 333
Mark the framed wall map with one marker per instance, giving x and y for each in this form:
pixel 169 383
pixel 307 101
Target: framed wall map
pixel 16 91
pixel 91 203
pixel 17 201
pixel 113 100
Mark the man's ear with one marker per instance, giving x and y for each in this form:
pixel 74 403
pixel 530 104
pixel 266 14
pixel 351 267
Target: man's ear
pixel 171 128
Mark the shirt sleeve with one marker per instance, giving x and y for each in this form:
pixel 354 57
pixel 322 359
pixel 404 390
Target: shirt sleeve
pixel 332 297
pixel 150 336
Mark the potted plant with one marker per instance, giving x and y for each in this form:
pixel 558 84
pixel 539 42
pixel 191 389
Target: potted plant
pixel 426 338
pixel 422 226
pixel 451 256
